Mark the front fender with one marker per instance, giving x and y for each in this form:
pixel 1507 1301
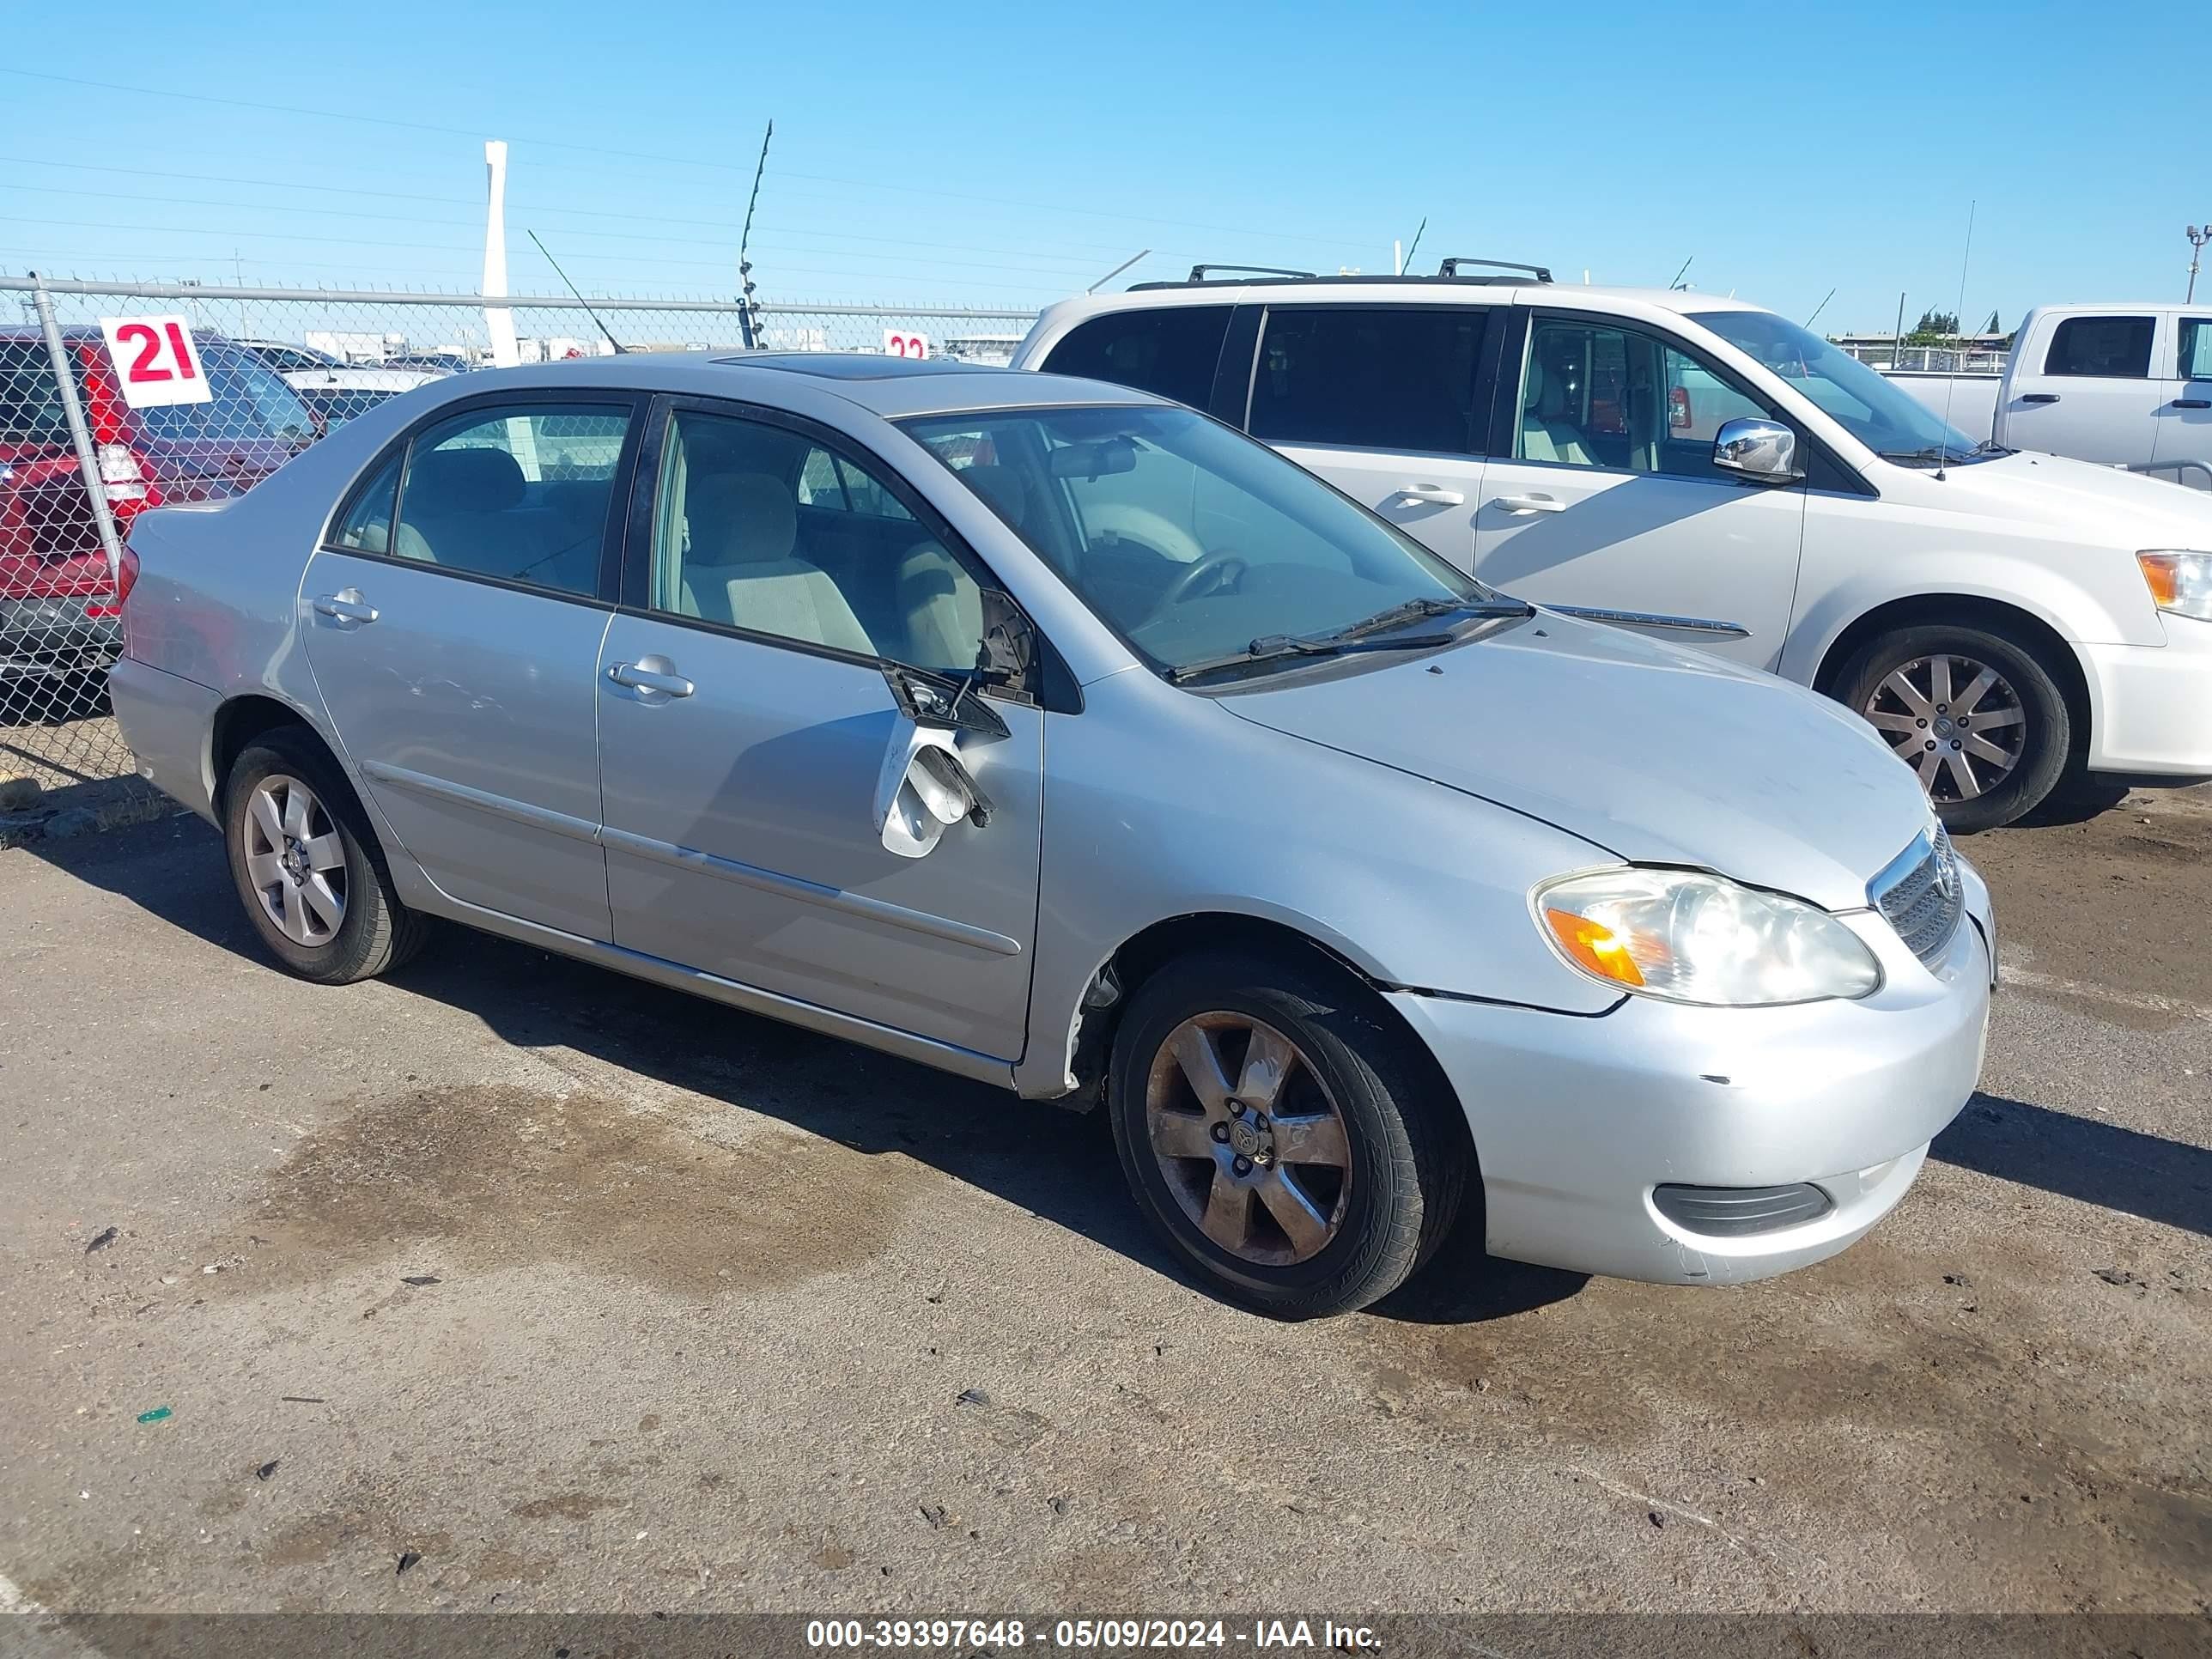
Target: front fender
pixel 1160 806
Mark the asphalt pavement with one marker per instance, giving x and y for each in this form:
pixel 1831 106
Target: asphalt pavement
pixel 586 1295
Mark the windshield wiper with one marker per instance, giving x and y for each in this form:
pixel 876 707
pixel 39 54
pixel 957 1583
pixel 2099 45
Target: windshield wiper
pixel 1940 453
pixel 1365 636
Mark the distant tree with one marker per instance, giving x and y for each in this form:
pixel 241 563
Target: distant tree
pixel 1935 328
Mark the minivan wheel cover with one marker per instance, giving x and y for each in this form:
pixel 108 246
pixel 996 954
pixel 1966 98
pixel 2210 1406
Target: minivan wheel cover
pixel 1250 1141
pixel 1956 721
pixel 295 860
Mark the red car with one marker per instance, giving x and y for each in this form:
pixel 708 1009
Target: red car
pixel 59 608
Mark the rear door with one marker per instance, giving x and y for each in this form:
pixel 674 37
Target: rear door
pixel 2182 449
pixel 456 646
pixel 2092 396
pixel 1605 500
pixel 1381 402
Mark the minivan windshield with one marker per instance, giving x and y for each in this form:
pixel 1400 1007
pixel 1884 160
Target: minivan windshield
pixel 1194 543
pixel 1878 412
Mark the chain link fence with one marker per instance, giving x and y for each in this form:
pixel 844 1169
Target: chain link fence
pixel 118 397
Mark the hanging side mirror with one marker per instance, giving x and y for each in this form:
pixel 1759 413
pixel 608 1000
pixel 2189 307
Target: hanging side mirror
pixel 924 789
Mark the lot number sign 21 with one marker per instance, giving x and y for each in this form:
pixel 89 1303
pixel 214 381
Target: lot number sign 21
pixel 155 360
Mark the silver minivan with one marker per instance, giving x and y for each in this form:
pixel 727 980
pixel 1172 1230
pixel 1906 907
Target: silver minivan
pixel 875 696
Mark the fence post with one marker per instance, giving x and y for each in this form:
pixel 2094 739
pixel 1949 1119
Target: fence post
pixel 88 458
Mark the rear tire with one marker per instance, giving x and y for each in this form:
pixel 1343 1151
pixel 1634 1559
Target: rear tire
pixel 1911 684
pixel 308 867
pixel 1357 1161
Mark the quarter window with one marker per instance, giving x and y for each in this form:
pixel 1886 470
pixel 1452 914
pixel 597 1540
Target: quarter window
pixel 365 525
pixel 2111 348
pixel 521 494
pixel 1400 379
pixel 1627 402
pixel 755 528
pixel 2197 348
pixel 1170 351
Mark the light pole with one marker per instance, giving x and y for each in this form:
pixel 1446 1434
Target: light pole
pixel 2198 235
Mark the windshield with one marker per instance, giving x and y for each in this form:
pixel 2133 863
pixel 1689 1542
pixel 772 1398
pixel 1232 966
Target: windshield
pixel 1878 412
pixel 1190 540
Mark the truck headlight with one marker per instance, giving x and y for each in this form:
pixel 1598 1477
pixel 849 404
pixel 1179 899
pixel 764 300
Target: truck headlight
pixel 1690 938
pixel 2180 581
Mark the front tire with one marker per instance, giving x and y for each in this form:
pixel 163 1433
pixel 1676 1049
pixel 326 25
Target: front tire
pixel 307 864
pixel 1300 1151
pixel 1973 710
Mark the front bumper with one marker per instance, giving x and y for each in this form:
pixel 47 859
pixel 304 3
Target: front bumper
pixel 169 723
pixel 1576 1119
pixel 2153 703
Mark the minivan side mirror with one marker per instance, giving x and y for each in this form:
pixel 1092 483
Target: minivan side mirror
pixel 1765 451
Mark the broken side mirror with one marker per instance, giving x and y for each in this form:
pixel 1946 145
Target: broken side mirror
pixel 925 786
pixel 1008 653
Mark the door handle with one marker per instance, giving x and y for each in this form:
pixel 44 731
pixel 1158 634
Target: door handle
pixel 1530 504
pixel 1430 494
pixel 2039 397
pixel 654 673
pixel 346 606
pixel 2192 403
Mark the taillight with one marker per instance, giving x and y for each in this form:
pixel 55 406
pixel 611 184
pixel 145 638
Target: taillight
pixel 122 480
pixel 126 577
pixel 1677 409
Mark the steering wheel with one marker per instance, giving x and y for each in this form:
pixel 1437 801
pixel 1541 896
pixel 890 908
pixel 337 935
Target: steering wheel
pixel 1212 573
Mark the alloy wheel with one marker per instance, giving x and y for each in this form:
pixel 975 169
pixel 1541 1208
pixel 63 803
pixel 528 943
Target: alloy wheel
pixel 1955 720
pixel 295 860
pixel 1262 1165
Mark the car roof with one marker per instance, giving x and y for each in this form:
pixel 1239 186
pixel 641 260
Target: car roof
pixel 891 387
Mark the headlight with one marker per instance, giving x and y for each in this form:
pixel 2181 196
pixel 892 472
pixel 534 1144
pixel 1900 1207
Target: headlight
pixel 2179 582
pixel 1691 937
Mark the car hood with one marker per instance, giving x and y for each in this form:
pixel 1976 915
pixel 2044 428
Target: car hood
pixel 1657 754
pixel 2101 505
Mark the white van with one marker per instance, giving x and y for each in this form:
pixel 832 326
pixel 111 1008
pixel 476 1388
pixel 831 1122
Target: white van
pixel 2123 385
pixel 1710 472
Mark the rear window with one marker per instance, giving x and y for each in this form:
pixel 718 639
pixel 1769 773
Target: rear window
pixel 2112 347
pixel 30 402
pixel 1169 350
pixel 248 403
pixel 1399 379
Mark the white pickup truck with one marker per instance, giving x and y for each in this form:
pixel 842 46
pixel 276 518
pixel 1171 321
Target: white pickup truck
pixel 2123 384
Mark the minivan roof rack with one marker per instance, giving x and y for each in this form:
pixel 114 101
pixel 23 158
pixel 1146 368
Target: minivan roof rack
pixel 1451 267
pixel 1264 276
pixel 1204 273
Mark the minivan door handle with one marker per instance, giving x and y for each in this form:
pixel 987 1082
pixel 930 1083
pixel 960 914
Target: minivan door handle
pixel 345 605
pixel 1530 504
pixel 1430 494
pixel 653 673
pixel 2192 403
pixel 2039 397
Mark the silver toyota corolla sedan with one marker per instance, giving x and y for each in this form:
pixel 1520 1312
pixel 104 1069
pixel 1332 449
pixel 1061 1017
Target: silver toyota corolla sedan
pixel 1054 734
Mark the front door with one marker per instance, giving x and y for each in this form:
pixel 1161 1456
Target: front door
pixel 456 644
pixel 744 719
pixel 1605 502
pixel 2092 396
pixel 1381 401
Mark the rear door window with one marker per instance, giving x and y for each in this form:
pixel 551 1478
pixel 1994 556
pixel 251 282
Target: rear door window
pixel 2109 348
pixel 518 495
pixel 247 404
pixel 2196 349
pixel 1400 379
pixel 1170 351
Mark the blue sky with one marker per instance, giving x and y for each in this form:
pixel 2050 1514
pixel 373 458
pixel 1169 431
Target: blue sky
pixel 998 155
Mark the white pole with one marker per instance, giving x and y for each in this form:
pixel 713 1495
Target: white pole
pixel 1398 256
pixel 499 320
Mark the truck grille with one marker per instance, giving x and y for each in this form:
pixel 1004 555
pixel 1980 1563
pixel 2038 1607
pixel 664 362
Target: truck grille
pixel 1921 896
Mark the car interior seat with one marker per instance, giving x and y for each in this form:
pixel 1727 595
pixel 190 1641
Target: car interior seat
pixel 1547 433
pixel 743 567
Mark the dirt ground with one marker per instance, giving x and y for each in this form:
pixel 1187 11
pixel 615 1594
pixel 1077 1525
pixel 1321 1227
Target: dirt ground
pixel 587 1295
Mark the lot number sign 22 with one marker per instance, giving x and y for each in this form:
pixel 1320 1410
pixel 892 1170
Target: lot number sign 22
pixel 898 343
pixel 155 360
